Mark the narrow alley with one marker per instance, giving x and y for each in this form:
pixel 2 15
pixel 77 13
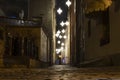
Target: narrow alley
pixel 61 72
pixel 59 40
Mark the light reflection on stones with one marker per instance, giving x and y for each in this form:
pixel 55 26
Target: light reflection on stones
pixel 58 73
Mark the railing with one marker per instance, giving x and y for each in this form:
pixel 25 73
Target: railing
pixel 19 22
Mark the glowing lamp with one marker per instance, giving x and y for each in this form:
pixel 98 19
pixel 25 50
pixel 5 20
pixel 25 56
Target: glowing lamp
pixel 60 36
pixel 67 23
pixel 63 31
pixel 62 44
pixel 68 3
pixel 59 11
pixel 62 23
pixel 58 42
pixel 65 37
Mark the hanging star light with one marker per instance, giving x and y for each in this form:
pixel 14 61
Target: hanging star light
pixel 60 36
pixel 57 35
pixel 65 37
pixel 62 23
pixel 67 23
pixel 63 31
pixel 58 32
pixel 58 52
pixel 58 42
pixel 59 11
pixel 62 48
pixel 62 44
pixel 68 3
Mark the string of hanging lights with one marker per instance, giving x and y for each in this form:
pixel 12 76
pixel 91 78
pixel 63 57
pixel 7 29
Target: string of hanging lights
pixel 59 11
pixel 68 3
pixel 59 33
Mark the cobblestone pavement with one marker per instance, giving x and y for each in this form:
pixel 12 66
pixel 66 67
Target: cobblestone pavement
pixel 61 72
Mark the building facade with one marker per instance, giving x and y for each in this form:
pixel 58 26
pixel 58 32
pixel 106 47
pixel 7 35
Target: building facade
pixel 94 35
pixel 45 10
pixel 25 42
pixel 102 39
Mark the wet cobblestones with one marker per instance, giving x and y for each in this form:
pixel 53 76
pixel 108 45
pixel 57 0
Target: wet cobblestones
pixel 60 72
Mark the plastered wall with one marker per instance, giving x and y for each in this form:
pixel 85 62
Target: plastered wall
pixel 93 48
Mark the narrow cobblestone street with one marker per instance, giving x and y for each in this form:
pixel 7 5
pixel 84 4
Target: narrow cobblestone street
pixel 60 72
